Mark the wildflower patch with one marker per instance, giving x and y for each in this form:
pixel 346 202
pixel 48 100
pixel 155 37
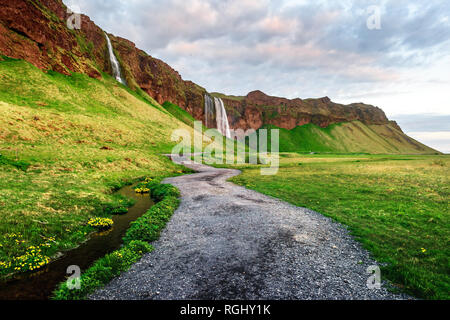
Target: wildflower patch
pixel 101 223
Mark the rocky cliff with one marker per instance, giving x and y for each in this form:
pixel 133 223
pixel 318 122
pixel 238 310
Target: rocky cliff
pixel 37 31
pixel 258 109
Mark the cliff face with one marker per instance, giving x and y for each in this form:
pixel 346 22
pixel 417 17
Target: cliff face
pixel 257 109
pixel 37 31
pixel 158 79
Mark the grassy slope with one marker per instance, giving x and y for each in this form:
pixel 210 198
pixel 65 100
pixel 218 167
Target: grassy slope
pixel 179 113
pixel 81 138
pixel 394 205
pixel 351 137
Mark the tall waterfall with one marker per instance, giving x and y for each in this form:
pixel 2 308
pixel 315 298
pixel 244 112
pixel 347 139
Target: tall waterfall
pixel 222 119
pixel 215 107
pixel 209 110
pixel 114 63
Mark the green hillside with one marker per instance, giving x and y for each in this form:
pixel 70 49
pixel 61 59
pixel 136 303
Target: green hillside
pixel 350 137
pixel 179 113
pixel 65 143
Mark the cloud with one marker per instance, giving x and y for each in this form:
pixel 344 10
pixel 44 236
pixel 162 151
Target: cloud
pixel 292 47
pixel 424 122
pixel 437 140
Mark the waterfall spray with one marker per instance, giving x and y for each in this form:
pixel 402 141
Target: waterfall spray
pixel 222 119
pixel 209 111
pixel 114 63
pixel 216 107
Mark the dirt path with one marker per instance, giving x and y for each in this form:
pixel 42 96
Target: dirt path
pixel 227 242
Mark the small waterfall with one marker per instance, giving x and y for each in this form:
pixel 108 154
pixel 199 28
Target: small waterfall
pixel 114 63
pixel 222 119
pixel 215 107
pixel 209 111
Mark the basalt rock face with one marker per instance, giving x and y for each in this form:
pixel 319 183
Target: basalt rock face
pixel 37 31
pixel 257 109
pixel 158 79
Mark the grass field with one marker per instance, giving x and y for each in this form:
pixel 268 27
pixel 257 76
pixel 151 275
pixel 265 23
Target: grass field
pixel 397 206
pixel 66 142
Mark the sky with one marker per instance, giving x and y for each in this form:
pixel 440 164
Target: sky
pixel 394 54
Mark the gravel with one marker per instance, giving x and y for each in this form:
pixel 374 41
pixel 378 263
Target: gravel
pixel 227 242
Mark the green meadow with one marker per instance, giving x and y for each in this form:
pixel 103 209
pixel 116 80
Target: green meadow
pixel 66 143
pixel 395 205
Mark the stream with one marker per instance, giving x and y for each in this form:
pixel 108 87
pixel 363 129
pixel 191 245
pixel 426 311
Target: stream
pixel 40 284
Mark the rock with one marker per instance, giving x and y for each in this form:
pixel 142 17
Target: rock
pixel 257 109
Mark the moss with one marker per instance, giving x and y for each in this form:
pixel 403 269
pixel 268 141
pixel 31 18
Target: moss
pixel 229 97
pixel 19 164
pixel 149 226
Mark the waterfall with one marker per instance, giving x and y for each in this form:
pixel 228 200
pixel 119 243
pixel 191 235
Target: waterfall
pixel 114 63
pixel 216 107
pixel 209 111
pixel 222 119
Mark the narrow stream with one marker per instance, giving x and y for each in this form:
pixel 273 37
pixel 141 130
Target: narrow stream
pixel 40 284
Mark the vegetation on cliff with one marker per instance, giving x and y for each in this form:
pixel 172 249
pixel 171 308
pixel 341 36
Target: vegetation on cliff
pixel 349 137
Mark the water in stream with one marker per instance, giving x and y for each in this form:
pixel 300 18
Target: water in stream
pixel 39 285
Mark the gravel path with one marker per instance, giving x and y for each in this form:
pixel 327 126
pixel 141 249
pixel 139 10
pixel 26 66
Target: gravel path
pixel 227 242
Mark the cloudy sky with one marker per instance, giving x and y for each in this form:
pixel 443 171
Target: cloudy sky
pixel 398 60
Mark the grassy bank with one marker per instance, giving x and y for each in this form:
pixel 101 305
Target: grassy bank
pixel 136 243
pixel 397 206
pixel 66 143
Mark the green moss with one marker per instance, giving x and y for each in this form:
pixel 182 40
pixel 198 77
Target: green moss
pixel 224 96
pixel 19 164
pixel 148 227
